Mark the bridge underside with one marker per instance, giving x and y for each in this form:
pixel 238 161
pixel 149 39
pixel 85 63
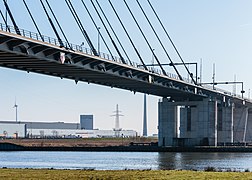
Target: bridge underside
pixel 22 53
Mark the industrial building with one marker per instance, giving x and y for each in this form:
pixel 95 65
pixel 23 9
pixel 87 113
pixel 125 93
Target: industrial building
pixel 84 129
pixel 86 122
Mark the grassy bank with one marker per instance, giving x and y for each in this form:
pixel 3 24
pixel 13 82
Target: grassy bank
pixel 85 142
pixel 126 174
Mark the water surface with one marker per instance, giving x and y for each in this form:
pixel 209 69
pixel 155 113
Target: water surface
pixel 126 160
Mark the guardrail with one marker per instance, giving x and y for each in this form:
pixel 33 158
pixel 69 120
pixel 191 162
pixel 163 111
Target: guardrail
pixel 225 92
pixel 80 48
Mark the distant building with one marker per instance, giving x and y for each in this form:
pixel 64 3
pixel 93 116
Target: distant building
pixel 84 129
pixel 86 122
pixel 25 129
pixel 51 125
pixel 16 130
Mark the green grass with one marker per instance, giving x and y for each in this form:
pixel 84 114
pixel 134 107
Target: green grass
pixel 29 174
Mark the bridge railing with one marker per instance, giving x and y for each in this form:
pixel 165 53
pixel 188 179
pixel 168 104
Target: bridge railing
pixel 225 92
pixel 80 48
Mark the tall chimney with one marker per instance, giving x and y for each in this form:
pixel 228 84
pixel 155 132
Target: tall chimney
pixel 145 117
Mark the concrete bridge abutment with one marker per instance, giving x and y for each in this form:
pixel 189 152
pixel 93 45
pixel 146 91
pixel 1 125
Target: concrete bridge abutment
pixel 209 122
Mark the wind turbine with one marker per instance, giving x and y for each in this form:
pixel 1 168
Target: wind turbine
pixel 16 106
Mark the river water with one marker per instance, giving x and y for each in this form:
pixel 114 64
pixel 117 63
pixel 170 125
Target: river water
pixel 126 160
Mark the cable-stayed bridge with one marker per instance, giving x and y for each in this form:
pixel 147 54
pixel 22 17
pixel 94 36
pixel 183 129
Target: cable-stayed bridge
pixel 27 52
pixel 206 115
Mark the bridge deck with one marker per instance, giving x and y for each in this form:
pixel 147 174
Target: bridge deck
pixel 32 55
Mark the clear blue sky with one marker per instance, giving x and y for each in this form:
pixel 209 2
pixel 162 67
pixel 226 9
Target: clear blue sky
pixel 219 32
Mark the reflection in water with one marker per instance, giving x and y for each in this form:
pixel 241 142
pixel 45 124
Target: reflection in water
pixel 126 160
pixel 200 161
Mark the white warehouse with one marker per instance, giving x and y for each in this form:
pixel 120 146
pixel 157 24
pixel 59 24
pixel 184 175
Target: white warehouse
pixel 25 129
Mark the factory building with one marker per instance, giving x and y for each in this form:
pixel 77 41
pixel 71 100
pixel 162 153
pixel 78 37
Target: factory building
pixel 86 122
pixel 84 129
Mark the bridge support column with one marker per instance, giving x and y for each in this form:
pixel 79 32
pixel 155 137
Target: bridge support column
pixel 226 124
pixel 240 123
pixel 213 116
pixel 197 121
pixel 167 122
pixel 248 137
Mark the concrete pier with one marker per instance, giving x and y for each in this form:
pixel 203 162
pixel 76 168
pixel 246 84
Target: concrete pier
pixel 226 124
pixel 167 123
pixel 240 123
pixel 208 122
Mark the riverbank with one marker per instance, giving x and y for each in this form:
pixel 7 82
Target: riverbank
pixel 46 174
pixel 80 142
pixel 130 148
pixel 107 144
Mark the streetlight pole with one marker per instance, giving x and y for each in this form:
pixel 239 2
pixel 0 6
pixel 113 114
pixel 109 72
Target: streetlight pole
pixel 81 45
pixel 98 38
pixel 152 59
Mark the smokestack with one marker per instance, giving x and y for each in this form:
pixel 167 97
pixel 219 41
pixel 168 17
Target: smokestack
pixel 145 117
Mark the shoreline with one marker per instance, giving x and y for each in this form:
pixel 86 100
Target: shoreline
pixel 133 148
pixel 118 174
